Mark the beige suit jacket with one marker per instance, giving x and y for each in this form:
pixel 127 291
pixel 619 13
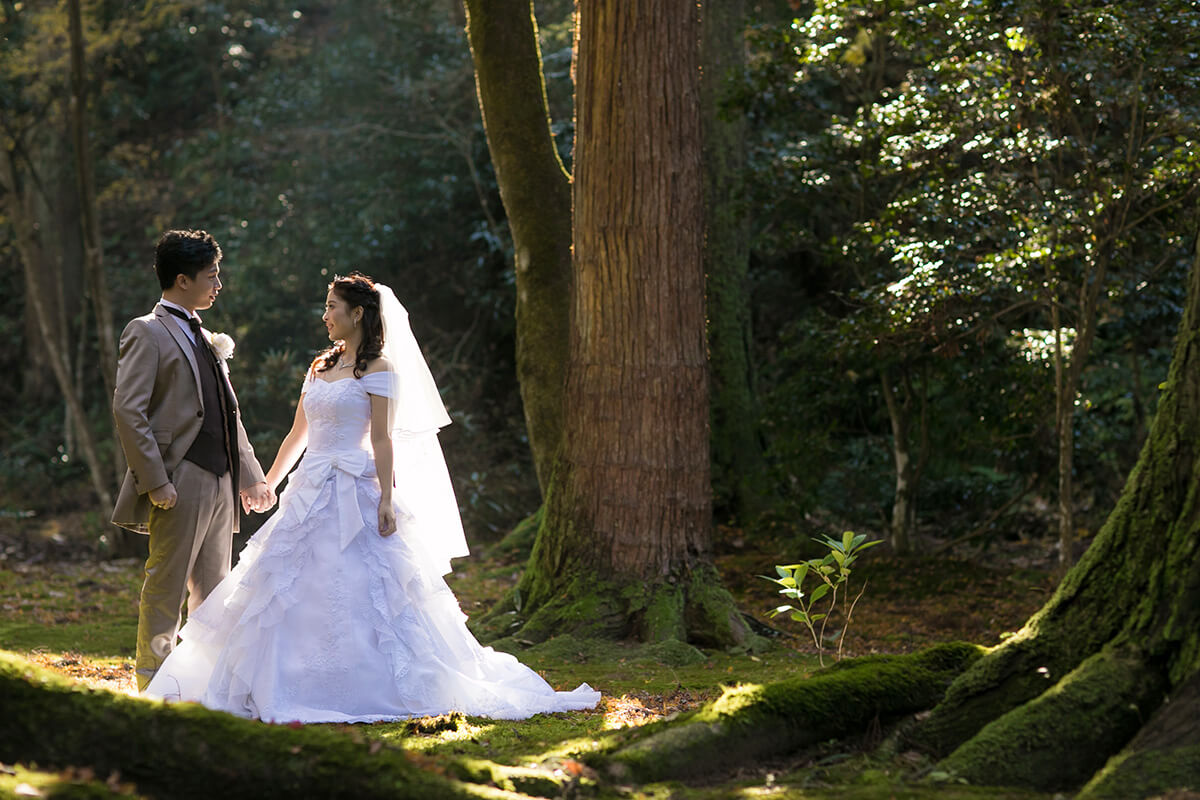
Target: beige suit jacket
pixel 158 411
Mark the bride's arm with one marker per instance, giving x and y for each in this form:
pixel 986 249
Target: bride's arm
pixel 291 448
pixel 381 443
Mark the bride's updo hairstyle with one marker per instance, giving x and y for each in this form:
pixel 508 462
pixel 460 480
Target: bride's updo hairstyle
pixel 356 290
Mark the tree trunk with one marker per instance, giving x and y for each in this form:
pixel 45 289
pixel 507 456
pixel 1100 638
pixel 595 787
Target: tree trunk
pixel 737 455
pixel 47 304
pixel 57 349
pixel 126 542
pixel 89 218
pixel 535 189
pixel 1092 670
pixel 908 468
pixel 624 546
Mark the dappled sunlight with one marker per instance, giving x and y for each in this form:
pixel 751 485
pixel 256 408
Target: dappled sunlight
pixel 633 709
pixel 113 675
pixel 414 737
pixel 737 697
pixel 769 789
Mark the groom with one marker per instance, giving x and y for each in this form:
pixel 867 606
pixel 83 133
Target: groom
pixel 178 422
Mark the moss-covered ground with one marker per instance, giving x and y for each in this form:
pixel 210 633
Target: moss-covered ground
pixel 78 619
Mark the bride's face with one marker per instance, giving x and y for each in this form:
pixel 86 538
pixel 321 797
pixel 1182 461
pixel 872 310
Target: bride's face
pixel 339 317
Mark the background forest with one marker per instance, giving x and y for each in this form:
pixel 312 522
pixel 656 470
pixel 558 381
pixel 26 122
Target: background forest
pixel 966 228
pixel 927 261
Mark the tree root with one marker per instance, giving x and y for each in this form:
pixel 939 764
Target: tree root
pixel 1165 754
pixel 1060 739
pixel 750 722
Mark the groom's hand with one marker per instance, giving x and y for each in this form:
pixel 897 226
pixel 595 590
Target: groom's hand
pixel 258 498
pixel 164 496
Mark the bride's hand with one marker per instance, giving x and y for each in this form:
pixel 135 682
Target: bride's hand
pixel 387 518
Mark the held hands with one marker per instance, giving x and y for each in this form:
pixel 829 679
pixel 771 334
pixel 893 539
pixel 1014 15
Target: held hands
pixel 258 498
pixel 164 496
pixel 387 518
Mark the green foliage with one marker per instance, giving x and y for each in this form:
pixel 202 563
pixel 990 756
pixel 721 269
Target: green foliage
pixel 833 573
pixel 310 140
pixel 934 180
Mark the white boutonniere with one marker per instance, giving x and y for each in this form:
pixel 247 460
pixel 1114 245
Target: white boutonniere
pixel 222 345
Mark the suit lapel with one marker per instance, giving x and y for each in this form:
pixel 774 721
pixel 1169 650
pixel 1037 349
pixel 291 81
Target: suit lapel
pixel 184 343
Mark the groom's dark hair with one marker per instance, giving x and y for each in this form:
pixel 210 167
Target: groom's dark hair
pixel 184 253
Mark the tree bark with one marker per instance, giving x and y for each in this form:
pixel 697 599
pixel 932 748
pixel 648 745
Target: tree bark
pixel 90 222
pixel 737 453
pixel 51 322
pixel 1121 634
pixel 624 546
pixel 535 190
pixel 908 469
pixel 126 542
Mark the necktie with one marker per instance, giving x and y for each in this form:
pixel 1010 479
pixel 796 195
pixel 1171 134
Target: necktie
pixel 192 321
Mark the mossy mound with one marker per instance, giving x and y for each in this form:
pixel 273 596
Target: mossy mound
pixel 75 784
pixel 186 751
pixel 751 722
pixel 518 543
pixel 583 650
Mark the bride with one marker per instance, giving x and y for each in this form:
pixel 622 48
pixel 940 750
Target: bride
pixel 337 610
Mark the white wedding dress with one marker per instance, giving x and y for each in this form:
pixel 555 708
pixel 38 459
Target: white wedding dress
pixel 324 620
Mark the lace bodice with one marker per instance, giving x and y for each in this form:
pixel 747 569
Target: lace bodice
pixel 339 412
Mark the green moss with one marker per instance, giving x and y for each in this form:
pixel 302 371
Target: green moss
pixel 518 543
pixel 60 785
pixel 712 615
pixel 1146 774
pixel 672 653
pixel 526 780
pixel 186 751
pixel 750 722
pixel 98 638
pixel 80 608
pixel 1060 739
pixel 662 618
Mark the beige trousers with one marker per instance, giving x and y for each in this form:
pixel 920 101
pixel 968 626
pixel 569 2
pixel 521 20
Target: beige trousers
pixel 190 551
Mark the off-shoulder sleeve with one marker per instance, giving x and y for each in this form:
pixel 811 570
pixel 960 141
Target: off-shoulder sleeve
pixel 377 383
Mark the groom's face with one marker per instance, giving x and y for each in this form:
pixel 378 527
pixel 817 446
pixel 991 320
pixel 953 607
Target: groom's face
pixel 201 292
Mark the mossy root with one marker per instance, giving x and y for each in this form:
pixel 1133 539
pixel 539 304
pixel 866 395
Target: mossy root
pixel 1165 755
pixel 187 751
pixel 751 722
pixel 1060 739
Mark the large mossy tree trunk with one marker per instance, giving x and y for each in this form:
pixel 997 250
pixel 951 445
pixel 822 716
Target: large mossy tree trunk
pixel 737 452
pixel 623 549
pixel 1107 671
pixel 535 190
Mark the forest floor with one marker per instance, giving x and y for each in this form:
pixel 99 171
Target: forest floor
pixel 78 618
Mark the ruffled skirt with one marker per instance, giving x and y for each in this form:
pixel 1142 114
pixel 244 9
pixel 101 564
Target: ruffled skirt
pixel 303 630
